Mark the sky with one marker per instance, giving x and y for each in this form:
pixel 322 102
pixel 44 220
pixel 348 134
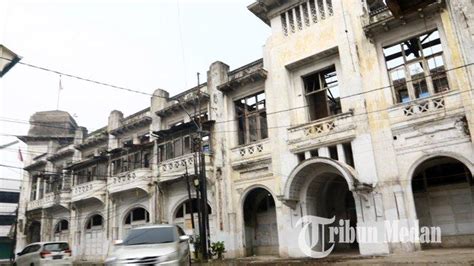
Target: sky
pixel 141 45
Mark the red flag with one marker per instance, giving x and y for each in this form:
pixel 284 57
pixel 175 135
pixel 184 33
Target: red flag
pixel 20 156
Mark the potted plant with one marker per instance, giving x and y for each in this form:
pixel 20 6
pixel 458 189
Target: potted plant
pixel 218 248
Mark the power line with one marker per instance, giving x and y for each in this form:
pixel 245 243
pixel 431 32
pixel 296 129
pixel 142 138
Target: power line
pixel 268 113
pixel 83 79
pixel 287 110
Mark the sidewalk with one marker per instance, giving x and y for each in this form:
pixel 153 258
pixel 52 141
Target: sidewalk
pixel 458 256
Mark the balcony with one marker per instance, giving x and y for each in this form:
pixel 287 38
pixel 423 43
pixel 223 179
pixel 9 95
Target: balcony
pixel 175 168
pixel 427 109
pixel 88 191
pixel 34 204
pixel 251 154
pixel 322 132
pixel 51 200
pixel 141 178
pixel 380 17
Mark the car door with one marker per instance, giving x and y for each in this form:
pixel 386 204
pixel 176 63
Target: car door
pixel 33 255
pixel 22 257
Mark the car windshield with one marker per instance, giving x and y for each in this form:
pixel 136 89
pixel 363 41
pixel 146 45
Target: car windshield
pixel 56 246
pixel 157 235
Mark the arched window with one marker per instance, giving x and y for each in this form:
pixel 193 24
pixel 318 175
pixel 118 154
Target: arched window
pixel 185 208
pixel 95 222
pixel 137 215
pixel 61 226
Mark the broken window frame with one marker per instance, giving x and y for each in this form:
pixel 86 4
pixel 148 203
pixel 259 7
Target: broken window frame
pixel 322 87
pixel 167 149
pixel 409 83
pixel 244 117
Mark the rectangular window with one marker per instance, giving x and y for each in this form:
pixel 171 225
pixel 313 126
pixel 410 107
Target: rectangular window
pixel 7 219
pixel 416 67
pixel 187 145
pixel 34 184
pixel 251 118
pixel 322 93
pixel 9 197
pixel 178 147
pixel 161 153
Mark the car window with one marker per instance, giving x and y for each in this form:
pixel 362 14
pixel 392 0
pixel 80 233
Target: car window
pixel 30 249
pixel 158 235
pixel 25 250
pixel 181 231
pixel 56 246
pixel 34 248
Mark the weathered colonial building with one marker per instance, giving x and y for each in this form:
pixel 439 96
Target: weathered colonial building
pixel 358 110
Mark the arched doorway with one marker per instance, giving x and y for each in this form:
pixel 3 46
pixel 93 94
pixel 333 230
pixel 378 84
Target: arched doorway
pixel 135 217
pixel 443 192
pixel 182 216
pixel 61 231
pixel 322 187
pixel 34 232
pixel 260 224
pixel 94 238
pixel 328 196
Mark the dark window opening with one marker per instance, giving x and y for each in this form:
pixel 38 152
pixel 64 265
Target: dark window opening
pixel 137 214
pixel 347 147
pixel 314 153
pixel 94 221
pixel 62 225
pixel 300 156
pixel 322 93
pixel 333 152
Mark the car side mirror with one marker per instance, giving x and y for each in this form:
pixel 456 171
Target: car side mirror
pixel 183 238
pixel 19 254
pixel 118 242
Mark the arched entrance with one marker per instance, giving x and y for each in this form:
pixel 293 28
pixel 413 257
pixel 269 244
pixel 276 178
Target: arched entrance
pixel 323 187
pixel 328 196
pixel 94 238
pixel 260 224
pixel 135 217
pixel 34 232
pixel 61 231
pixel 443 192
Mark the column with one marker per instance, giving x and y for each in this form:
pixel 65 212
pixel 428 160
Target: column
pixel 340 153
pixel 324 152
pixel 38 185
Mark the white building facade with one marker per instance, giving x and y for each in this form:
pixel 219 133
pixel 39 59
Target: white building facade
pixel 357 111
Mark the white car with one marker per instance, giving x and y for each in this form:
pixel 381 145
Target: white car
pixel 45 253
pixel 152 245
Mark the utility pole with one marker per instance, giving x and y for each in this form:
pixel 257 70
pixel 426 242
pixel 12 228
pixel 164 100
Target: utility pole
pixel 203 228
pixel 189 197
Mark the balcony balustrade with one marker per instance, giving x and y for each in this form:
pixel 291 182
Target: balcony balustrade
pixel 426 109
pixel 51 200
pixel 322 132
pixel 141 178
pixel 257 152
pixel 176 167
pixel 90 190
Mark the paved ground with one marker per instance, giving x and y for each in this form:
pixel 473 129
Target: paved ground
pixel 459 256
